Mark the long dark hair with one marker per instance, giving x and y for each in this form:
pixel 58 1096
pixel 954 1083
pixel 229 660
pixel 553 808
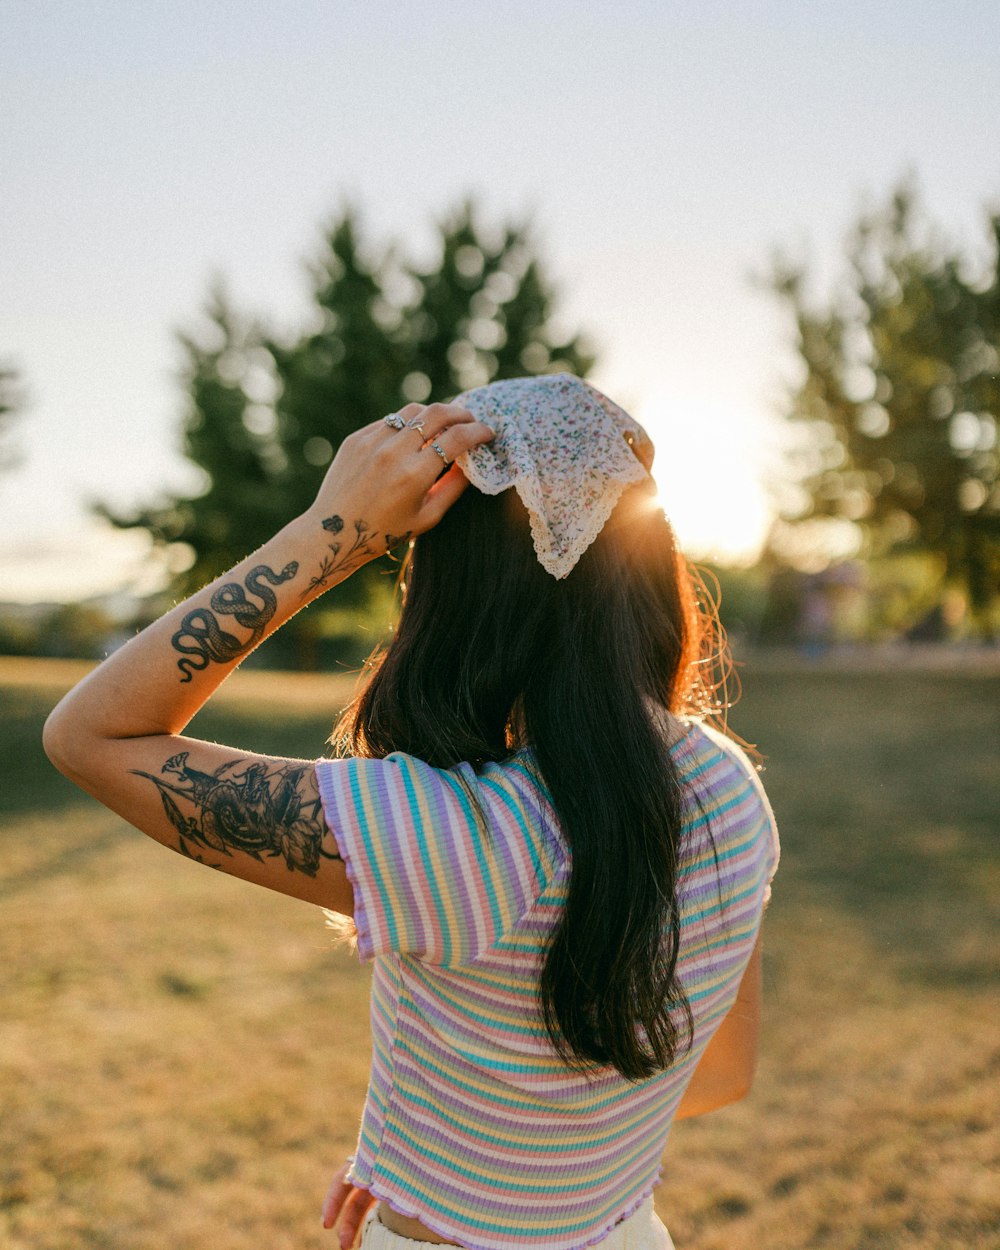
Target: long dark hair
pixel 492 653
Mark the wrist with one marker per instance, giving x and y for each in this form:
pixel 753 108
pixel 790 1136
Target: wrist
pixel 338 540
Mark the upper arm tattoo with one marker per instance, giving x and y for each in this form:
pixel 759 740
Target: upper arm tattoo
pixel 202 638
pixel 261 808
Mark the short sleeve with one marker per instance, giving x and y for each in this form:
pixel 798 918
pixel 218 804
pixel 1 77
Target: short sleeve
pixel 443 862
pixel 772 844
pixel 768 842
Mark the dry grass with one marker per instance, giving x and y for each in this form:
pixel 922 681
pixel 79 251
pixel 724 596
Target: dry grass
pixel 184 1057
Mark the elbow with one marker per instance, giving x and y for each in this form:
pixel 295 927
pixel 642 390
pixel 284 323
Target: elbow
pixel 716 1088
pixel 743 1078
pixel 704 1101
pixel 740 1089
pixel 733 1090
pixel 56 741
pixel 63 742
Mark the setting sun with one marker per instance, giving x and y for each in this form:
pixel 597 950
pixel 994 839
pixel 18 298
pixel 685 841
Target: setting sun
pixel 708 472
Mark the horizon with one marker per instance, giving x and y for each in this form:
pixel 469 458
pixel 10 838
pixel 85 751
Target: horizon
pixel 662 155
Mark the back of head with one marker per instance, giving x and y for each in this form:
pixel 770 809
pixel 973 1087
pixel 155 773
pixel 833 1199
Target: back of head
pixel 483 624
pixel 492 653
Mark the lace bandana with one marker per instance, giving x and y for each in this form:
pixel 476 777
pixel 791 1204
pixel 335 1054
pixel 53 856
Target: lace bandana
pixel 567 450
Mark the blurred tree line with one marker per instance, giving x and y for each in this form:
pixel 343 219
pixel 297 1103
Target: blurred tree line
pixel 893 420
pixel 78 631
pixel 895 412
pixel 265 412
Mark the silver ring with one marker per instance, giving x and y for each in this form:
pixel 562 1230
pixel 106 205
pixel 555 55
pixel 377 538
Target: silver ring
pixel 437 447
pixel 395 420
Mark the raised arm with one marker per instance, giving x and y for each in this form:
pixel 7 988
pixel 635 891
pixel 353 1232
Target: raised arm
pixel 117 733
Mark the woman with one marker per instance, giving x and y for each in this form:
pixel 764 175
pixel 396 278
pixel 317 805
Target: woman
pixel 557 868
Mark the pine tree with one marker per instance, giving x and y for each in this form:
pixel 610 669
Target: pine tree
pixel 265 413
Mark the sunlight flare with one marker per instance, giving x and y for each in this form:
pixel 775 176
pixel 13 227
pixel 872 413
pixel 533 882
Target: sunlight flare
pixel 708 474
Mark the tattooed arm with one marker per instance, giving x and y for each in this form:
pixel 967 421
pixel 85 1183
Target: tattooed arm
pixel 116 734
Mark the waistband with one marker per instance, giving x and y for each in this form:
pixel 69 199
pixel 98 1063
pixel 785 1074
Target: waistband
pixel 643 1230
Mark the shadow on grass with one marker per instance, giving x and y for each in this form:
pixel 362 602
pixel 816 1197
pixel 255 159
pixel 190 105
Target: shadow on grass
pixel 31 784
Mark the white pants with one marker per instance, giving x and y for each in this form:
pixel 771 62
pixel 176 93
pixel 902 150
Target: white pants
pixel 643 1230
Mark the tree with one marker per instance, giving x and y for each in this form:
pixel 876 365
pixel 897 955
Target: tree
pixel 265 413
pixel 900 397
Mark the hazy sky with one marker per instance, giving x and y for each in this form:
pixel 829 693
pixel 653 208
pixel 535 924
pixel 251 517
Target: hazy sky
pixel 663 149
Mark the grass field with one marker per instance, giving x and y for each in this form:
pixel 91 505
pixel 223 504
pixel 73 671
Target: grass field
pixel 183 1057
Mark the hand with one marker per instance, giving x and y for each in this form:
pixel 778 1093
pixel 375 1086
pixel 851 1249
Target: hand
pixel 392 480
pixel 346 1206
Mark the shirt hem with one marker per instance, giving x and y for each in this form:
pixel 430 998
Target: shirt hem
pixel 413 1210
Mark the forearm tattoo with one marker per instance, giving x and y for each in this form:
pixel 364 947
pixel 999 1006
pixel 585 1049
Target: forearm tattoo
pixel 203 639
pixel 339 561
pixel 264 810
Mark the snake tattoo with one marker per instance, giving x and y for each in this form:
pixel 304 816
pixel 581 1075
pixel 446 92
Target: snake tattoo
pixel 202 638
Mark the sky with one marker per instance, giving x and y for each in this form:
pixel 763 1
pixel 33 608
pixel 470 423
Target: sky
pixel 662 150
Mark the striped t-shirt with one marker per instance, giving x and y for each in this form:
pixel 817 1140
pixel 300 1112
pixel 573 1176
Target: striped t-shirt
pixel 472 1123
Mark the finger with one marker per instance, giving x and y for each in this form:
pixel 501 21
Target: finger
pixel 432 422
pixel 447 486
pixel 355 1210
pixel 352 1217
pixel 436 418
pixel 440 497
pixel 336 1195
pixel 333 1203
pixel 377 432
pixel 462 436
pixel 359 1232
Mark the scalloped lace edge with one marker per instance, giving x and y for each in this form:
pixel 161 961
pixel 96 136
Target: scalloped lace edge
pixel 558 563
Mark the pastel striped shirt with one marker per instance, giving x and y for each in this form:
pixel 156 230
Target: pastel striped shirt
pixel 472 1123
